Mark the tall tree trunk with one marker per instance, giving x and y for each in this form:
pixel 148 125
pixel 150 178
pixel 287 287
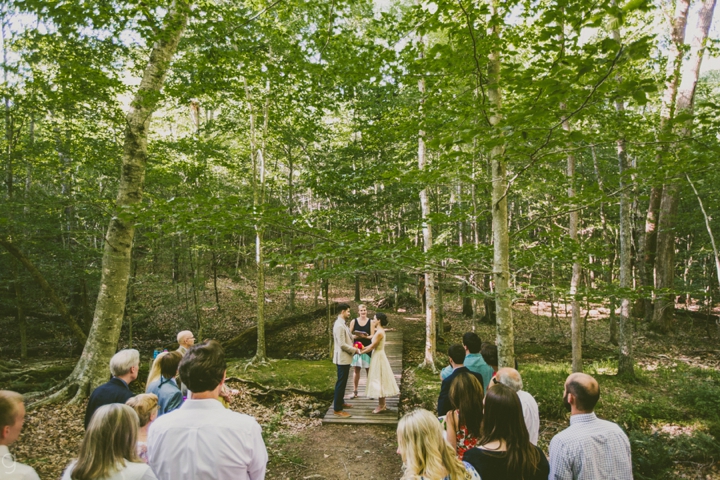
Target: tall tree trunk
pixel 430 328
pixel 259 203
pixel 291 206
pixel 467 309
pixel 625 344
pixel 574 219
pixel 439 308
pixel 92 368
pixel 648 244
pixel 501 241
pixel 665 261
pixel 626 362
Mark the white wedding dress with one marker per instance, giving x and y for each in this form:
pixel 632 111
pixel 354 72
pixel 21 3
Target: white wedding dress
pixel 381 379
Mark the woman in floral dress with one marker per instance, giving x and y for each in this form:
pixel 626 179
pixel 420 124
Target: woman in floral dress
pixel 465 420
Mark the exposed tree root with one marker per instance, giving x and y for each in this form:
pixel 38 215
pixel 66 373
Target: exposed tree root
pixel 10 372
pixel 267 391
pixel 257 361
pixel 428 366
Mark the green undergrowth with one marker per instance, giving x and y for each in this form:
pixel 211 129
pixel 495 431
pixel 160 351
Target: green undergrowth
pixel 421 388
pixel 317 376
pixel 671 414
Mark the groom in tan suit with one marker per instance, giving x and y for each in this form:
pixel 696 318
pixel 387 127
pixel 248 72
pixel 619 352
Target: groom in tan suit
pixel 343 351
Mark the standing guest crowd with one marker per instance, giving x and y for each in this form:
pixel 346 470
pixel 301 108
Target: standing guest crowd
pixel 159 435
pixel 495 431
pixel 486 426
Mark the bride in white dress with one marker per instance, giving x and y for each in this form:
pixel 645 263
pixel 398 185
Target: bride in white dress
pixel 381 379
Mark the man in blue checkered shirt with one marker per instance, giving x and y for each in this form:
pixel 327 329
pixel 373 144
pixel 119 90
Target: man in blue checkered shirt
pixel 590 448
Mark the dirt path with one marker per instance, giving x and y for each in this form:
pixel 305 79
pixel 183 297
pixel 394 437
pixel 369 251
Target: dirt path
pixel 341 452
pixel 333 452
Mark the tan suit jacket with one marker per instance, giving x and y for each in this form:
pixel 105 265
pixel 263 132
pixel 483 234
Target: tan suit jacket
pixel 343 349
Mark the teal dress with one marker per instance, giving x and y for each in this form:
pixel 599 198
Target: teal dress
pixel 363 360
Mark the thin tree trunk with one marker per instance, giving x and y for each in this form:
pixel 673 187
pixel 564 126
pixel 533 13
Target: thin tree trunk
pixel 626 362
pixel 501 241
pixel 92 368
pixel 707 226
pixel 214 260
pixel 613 321
pixel 329 320
pixel 439 308
pixel 574 219
pixel 291 205
pixel 20 314
pixel 357 287
pixel 258 203
pixel 194 275
pixel 430 327
pixel 625 344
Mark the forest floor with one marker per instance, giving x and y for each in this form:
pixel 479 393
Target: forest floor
pixel 671 410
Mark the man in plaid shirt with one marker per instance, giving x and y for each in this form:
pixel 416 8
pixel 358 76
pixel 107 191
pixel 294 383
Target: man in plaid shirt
pixel 590 448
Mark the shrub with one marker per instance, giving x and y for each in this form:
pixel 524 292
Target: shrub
pixel 650 455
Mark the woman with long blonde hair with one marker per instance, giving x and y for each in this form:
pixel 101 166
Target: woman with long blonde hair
pixel 108 449
pixel 154 370
pixel 425 453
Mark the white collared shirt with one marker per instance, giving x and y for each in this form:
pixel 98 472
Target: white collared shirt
pixel 531 414
pixel 12 470
pixel 204 440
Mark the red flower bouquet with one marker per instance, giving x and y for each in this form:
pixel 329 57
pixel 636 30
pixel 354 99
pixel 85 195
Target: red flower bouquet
pixel 359 345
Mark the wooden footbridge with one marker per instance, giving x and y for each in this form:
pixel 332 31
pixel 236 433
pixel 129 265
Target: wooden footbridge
pixel 363 406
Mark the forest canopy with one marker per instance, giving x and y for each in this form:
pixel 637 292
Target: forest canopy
pixel 562 151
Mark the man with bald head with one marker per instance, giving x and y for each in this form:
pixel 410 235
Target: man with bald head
pixel 590 448
pixel 186 340
pixel 511 378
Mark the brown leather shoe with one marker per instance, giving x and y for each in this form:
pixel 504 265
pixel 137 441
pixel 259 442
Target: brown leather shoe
pixel 347 405
pixel 342 414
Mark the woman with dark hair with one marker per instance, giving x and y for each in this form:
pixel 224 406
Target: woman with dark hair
pixel 465 420
pixel 489 353
pixel 381 379
pixel 504 451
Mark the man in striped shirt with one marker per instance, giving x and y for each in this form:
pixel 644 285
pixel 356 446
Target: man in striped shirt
pixel 590 448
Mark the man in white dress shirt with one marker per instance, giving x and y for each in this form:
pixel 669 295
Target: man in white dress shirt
pixel 202 439
pixel 12 418
pixel 531 413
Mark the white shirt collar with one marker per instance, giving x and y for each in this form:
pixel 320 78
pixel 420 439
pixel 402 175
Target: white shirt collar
pixel 202 404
